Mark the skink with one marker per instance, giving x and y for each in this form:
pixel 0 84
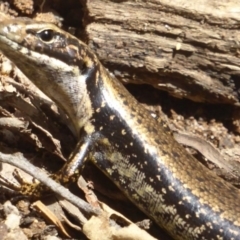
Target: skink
pixel 120 136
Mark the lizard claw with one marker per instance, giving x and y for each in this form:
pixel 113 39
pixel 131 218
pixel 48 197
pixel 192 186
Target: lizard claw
pixel 34 189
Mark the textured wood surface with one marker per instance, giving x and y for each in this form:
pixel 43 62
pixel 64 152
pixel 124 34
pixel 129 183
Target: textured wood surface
pixel 189 49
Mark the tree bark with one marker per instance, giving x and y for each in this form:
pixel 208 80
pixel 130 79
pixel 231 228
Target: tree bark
pixel 190 49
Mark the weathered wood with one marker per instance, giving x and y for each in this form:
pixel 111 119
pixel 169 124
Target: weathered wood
pixel 190 49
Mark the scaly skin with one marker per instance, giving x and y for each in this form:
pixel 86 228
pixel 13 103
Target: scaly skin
pixel 121 137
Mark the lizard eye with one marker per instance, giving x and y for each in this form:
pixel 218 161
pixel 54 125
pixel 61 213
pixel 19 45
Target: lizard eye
pixel 46 35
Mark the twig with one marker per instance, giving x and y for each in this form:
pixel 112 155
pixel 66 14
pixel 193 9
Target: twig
pixel 19 161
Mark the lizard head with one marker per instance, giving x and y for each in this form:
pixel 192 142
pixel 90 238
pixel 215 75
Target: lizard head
pixel 54 60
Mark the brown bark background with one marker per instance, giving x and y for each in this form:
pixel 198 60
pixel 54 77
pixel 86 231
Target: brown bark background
pixel 188 48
